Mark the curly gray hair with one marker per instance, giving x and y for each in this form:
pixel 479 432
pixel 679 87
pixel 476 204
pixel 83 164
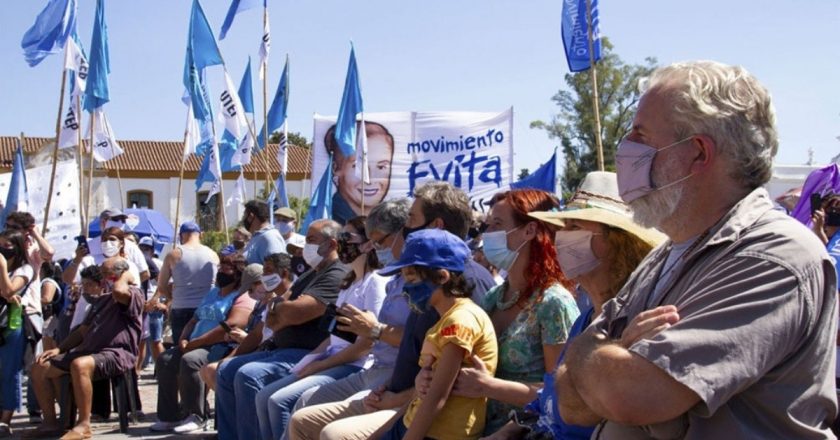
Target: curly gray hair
pixel 728 104
pixel 389 216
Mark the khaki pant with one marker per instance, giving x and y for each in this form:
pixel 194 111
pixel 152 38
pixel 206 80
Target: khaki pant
pixel 345 420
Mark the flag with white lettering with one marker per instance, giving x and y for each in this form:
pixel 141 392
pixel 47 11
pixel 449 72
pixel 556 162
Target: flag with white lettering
pixel 575 29
pixel 232 111
pixel 105 146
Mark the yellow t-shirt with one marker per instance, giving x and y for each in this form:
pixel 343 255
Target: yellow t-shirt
pixel 467 326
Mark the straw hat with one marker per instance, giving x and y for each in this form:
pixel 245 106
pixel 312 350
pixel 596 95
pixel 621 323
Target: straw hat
pixel 597 200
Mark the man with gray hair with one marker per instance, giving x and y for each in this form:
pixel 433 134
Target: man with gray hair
pixel 727 330
pixel 293 318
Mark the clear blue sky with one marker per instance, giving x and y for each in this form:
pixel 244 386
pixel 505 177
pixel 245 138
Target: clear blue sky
pixel 437 55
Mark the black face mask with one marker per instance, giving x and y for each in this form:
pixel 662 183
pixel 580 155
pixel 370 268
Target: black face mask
pixel 406 230
pixel 8 252
pixel 91 299
pixel 348 252
pixel 246 223
pixel 223 279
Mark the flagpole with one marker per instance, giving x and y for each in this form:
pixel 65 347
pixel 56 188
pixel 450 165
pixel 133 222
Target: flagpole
pixel 181 177
pixel 265 103
pixel 82 213
pixel 221 203
pixel 594 76
pixel 55 148
pixel 91 161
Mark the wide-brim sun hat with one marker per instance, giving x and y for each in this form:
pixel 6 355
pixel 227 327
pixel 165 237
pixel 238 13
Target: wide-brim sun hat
pixel 597 200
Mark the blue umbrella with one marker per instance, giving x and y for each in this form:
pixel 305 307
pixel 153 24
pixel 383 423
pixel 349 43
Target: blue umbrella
pixel 143 222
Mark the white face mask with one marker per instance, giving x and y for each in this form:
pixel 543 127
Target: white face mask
pixel 114 224
pixel 110 248
pixel 270 282
pixel 285 227
pixel 574 252
pixel 310 254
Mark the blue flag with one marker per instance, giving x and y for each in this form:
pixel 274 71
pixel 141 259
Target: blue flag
pixel 246 90
pixel 17 198
pixel 351 105
pixel 227 148
pixel 544 178
pixel 320 207
pixel 201 52
pixel 278 196
pixel 575 29
pixel 205 174
pixel 277 111
pixel 50 31
pixel 99 65
pixel 237 6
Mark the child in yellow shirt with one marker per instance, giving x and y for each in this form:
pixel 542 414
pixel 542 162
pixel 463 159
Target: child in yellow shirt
pixel 432 263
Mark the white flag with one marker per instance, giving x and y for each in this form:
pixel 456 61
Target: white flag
pixel 362 152
pixel 68 136
pixel 75 60
pixel 242 156
pixel 105 146
pixel 265 47
pixel 215 169
pixel 232 110
pixel 238 195
pixel 192 135
pixel 283 149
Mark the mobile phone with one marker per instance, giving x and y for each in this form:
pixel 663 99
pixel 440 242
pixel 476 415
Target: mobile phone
pixel 81 240
pixel 329 324
pixel 832 218
pixel 816 202
pixel 225 326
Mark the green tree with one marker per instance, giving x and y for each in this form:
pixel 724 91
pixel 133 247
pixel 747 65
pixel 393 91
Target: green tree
pixel 574 125
pixel 295 138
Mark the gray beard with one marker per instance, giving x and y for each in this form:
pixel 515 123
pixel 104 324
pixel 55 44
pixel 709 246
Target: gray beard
pixel 652 210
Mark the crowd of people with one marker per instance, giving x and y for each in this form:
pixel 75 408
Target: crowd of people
pixel 669 299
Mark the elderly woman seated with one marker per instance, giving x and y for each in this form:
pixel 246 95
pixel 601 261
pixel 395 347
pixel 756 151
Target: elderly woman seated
pixel 224 307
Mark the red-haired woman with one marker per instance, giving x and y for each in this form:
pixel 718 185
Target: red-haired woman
pixel 532 311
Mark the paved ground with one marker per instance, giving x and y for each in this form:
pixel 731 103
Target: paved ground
pixel 111 429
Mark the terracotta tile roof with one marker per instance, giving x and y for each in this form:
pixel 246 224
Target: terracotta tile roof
pixel 162 157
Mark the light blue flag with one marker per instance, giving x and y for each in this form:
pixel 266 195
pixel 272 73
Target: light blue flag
pixel 50 31
pixel 237 6
pixel 320 207
pixel 351 105
pixel 17 198
pixel 277 111
pixel 575 30
pixel 544 178
pixel 205 174
pixel 99 65
pixel 278 197
pixel 227 148
pixel 202 51
pixel 246 90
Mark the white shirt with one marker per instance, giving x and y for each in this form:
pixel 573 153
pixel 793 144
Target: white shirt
pixel 32 299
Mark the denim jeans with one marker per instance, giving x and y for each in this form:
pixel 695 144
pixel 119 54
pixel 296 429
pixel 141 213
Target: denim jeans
pixel 276 400
pixel 237 382
pixel 178 319
pixel 11 366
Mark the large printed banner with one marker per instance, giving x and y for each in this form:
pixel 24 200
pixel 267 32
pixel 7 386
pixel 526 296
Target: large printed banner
pixel 472 151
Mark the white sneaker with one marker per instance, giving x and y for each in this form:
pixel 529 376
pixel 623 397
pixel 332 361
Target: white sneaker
pixel 161 426
pixel 190 424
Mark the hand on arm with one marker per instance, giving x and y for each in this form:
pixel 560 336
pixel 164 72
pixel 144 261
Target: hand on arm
pixel 348 354
pixel 477 382
pixel 298 311
pixel 362 323
pixel 445 373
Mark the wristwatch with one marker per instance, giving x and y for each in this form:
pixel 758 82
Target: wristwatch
pixel 376 331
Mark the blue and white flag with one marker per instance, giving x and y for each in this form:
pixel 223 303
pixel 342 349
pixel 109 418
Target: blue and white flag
pixel 237 6
pixel 202 52
pixel 278 196
pixel 96 89
pixel 320 206
pixel 76 62
pixel 105 146
pixel 239 196
pixel 50 31
pixel 17 199
pixel 192 135
pixel 210 172
pixel 351 105
pixel 265 45
pixel 279 106
pixel 544 177
pixel 575 29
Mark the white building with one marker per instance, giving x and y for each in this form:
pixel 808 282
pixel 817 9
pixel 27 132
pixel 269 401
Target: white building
pixel 149 173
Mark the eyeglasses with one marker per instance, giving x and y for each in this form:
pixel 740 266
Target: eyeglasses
pixel 380 244
pixel 351 237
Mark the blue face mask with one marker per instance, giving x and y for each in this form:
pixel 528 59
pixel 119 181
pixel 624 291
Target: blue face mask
pixel 284 228
pixel 419 295
pixel 496 249
pixel 385 256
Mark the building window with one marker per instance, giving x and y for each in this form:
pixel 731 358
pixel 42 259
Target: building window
pixel 207 215
pixel 140 199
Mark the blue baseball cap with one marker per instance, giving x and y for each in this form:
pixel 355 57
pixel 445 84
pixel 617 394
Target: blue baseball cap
pixel 432 248
pixel 189 227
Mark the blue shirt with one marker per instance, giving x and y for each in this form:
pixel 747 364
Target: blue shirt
pixel 833 248
pixel 213 308
pixel 394 312
pixel 265 242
